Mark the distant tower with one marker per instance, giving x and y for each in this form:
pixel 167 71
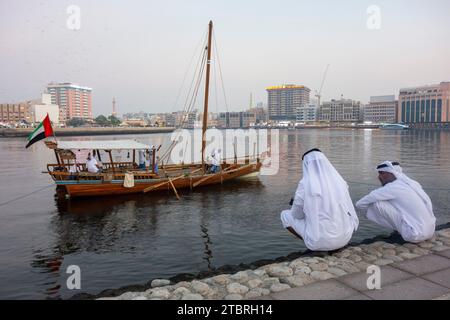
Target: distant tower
pixel 251 100
pixel 114 110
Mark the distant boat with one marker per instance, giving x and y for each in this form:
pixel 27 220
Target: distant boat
pixel 394 126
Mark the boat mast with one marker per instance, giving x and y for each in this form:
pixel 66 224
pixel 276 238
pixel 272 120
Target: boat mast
pixel 205 109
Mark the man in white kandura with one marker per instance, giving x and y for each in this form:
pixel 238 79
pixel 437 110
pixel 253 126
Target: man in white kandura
pixel 92 165
pixel 322 212
pixel 215 160
pixel 400 204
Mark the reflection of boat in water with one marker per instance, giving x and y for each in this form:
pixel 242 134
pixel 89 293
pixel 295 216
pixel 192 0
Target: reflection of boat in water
pixel 93 231
pixel 394 126
pixel 118 178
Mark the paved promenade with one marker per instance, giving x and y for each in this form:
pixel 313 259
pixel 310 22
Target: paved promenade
pixel 426 277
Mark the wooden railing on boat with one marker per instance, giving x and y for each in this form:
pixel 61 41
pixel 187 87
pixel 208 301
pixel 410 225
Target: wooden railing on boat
pixel 115 171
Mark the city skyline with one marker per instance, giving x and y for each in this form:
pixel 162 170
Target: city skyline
pixel 122 51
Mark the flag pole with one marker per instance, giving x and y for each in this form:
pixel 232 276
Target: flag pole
pixel 54 135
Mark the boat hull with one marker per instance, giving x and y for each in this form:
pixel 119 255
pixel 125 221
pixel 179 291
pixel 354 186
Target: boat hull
pixel 394 126
pixel 115 187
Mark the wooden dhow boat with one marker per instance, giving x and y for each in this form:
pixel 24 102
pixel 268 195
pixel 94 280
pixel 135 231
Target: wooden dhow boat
pixel 126 177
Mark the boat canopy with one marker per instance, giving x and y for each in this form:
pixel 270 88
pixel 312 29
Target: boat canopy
pixel 102 145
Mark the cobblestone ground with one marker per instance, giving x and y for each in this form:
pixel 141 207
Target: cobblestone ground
pixel 275 279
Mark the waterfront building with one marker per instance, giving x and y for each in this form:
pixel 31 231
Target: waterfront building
pixel 234 119
pixel 169 119
pixel 15 113
pixel 307 113
pixel 212 120
pixel 134 123
pixel 425 104
pixel 138 115
pixel 381 109
pixel 31 111
pixel 213 123
pixel 284 101
pixel 343 110
pixel 180 119
pixel 190 120
pixel 261 114
pixel 41 107
pixel 74 101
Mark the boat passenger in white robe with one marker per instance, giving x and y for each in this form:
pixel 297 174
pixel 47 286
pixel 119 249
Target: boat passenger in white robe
pixel 322 213
pixel 400 204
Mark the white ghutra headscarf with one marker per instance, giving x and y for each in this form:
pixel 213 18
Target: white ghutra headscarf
pixel 328 207
pixel 397 171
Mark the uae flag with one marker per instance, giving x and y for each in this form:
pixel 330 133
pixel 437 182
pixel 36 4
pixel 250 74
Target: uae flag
pixel 43 131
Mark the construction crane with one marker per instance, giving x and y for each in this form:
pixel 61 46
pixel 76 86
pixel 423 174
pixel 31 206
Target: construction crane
pixel 319 93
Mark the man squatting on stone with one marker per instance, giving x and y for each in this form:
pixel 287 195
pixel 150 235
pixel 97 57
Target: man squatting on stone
pixel 322 213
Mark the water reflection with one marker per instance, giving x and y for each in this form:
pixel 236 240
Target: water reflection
pixel 126 225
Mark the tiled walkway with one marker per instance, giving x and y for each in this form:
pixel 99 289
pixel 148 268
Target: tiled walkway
pixel 426 277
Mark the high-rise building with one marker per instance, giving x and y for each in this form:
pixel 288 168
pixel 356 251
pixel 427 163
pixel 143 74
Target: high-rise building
pixel 381 109
pixel 284 101
pixel 425 104
pixel 343 110
pixel 74 101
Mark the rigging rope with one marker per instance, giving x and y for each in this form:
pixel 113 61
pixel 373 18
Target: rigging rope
pixel 202 41
pixel 220 71
pixel 193 89
pixel 197 68
pixel 190 105
pixel 25 195
pixel 215 84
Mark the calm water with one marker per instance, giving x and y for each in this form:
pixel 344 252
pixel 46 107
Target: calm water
pixel 129 240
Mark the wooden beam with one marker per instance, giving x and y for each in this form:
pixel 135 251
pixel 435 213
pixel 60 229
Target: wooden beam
pixel 174 189
pixel 229 169
pixel 205 107
pixel 155 186
pixel 111 160
pixel 204 179
pixel 153 159
pixel 57 157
